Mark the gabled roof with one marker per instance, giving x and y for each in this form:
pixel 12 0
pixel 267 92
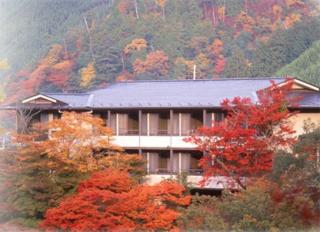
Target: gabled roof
pixel 176 93
pixel 39 96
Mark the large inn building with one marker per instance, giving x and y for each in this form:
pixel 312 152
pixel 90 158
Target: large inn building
pixel 153 117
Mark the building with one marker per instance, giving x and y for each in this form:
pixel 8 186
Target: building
pixel 153 117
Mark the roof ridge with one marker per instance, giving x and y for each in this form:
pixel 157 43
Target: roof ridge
pixel 87 93
pixel 190 80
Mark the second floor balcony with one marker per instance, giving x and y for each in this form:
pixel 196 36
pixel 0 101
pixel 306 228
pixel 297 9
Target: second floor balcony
pixel 159 123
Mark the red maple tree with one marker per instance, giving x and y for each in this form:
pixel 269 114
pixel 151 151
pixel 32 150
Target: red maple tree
pixel 244 143
pixel 111 200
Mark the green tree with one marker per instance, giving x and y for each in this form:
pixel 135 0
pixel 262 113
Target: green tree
pixel 238 65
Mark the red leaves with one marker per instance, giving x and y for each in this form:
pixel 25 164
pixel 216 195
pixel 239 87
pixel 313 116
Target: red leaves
pixel 110 200
pixel 244 143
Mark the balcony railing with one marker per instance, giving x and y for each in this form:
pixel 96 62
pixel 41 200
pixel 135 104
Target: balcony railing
pixel 128 131
pixel 195 172
pixel 166 171
pixel 159 132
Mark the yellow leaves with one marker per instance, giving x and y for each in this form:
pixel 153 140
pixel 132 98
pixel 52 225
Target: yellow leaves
pixel 291 20
pixel 202 63
pixel 187 63
pixel 246 21
pixel 87 75
pixel 53 56
pixel 4 65
pixel 221 12
pixel 123 162
pixel 76 140
pixel 135 45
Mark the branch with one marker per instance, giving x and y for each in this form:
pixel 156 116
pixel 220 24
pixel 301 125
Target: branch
pixel 234 177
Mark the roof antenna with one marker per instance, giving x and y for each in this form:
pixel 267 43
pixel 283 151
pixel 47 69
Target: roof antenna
pixel 194 72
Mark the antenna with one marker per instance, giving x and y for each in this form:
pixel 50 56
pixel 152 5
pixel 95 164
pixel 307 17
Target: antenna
pixel 194 72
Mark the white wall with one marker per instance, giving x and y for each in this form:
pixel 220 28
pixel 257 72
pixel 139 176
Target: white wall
pixel 164 142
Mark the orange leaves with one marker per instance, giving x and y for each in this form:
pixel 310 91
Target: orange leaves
pixel 291 3
pixel 245 21
pixel 161 3
pixel 87 75
pixel 110 200
pixel 156 63
pixel 80 142
pixel 124 76
pixel 135 45
pixel 221 12
pixel 77 142
pixel 216 47
pixel 277 11
pixel 53 56
pixel 291 19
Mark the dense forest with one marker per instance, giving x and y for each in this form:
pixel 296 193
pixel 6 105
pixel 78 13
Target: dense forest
pixel 75 45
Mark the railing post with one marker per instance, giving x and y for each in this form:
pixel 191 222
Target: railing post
pixel 171 123
pixel 171 161
pixel 140 130
pixel 204 113
pixel 140 122
pixel 109 119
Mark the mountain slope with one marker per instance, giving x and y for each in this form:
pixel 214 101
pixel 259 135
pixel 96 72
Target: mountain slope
pixel 77 45
pixel 306 66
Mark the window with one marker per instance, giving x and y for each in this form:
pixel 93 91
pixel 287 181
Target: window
pixel 164 158
pixel 218 116
pixel 155 123
pixel 194 163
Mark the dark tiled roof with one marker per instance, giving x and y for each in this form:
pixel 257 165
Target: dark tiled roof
pixel 172 94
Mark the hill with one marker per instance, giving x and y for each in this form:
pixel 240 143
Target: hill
pixel 76 45
pixel 306 66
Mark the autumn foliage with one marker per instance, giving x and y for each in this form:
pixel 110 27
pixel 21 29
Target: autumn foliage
pixel 156 63
pixel 245 142
pixel 110 200
pixel 39 172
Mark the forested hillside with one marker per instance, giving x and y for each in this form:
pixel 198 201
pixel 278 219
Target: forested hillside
pixel 306 66
pixel 75 45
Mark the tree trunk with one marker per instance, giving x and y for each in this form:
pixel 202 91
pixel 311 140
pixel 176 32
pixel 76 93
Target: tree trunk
pixel 90 38
pixel 163 13
pixel 123 63
pixel 136 8
pixel 213 17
